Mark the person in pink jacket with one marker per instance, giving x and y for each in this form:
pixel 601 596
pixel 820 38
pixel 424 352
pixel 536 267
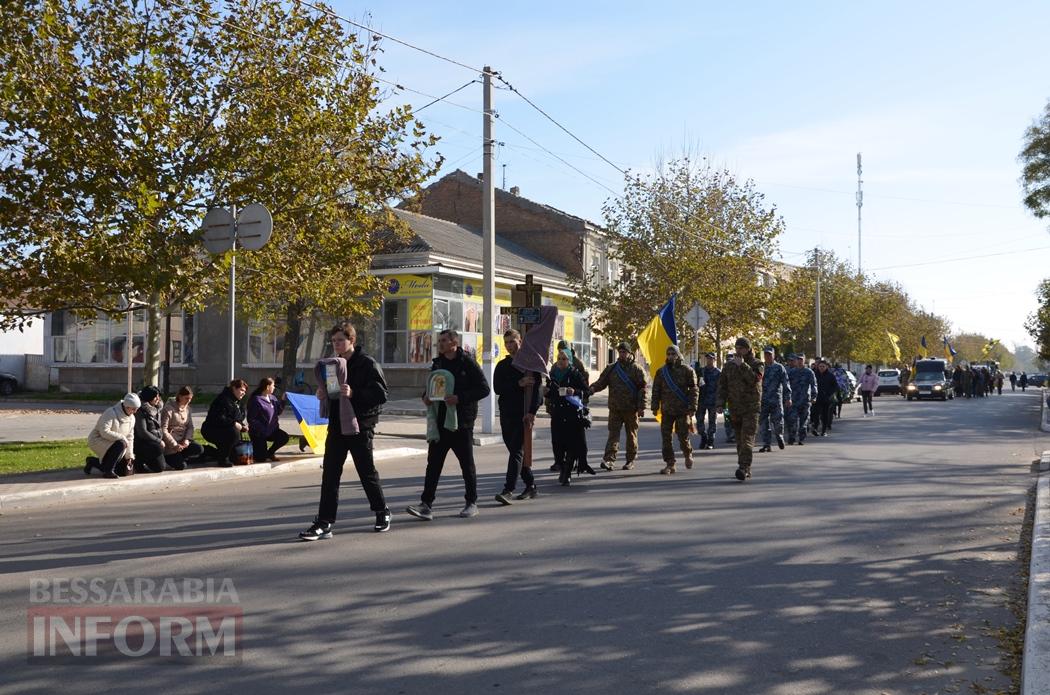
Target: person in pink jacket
pixel 869 382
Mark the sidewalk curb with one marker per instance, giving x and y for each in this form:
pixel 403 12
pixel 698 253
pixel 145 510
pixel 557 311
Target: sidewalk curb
pixel 171 479
pixel 1035 665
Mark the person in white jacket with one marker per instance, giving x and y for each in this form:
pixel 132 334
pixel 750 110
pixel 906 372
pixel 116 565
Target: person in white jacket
pixel 113 438
pixel 869 384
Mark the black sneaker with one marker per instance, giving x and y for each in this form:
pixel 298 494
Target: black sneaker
pixel 318 531
pixel 529 493
pixel 506 497
pixel 741 474
pixel 421 511
pixel 382 521
pixel 89 463
pixel 764 449
pixel 780 441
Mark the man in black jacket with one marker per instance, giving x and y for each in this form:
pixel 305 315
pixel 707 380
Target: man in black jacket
pixel 469 388
pixel 366 388
pixel 510 383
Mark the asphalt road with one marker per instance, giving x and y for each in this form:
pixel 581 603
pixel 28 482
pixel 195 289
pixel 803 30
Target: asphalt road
pixel 875 561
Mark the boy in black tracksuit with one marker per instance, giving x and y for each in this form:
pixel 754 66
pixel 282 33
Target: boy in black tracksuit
pixel 470 387
pixel 509 384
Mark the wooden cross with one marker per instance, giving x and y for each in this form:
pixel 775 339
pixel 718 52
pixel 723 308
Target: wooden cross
pixel 525 298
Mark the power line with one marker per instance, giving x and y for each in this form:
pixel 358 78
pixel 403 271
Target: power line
pixel 962 258
pixel 560 159
pixel 443 98
pixel 335 15
pixel 560 126
pixel 342 64
pixel 889 197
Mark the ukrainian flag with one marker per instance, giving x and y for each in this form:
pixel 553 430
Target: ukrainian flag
pixel 895 342
pixel 307 412
pixel 659 335
pixel 949 351
pixel 925 351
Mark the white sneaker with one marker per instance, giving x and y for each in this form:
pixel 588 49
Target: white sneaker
pixel 469 511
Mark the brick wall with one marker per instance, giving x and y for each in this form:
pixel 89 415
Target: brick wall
pixel 457 198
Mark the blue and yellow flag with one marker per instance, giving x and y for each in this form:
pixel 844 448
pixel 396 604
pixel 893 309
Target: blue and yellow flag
pixel 895 342
pixel 307 412
pixel 924 350
pixel 987 349
pixel 949 351
pixel 659 335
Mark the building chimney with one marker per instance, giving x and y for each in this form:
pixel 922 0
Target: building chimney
pixel 514 190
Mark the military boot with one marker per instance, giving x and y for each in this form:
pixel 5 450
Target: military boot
pixel 689 461
pixel 668 469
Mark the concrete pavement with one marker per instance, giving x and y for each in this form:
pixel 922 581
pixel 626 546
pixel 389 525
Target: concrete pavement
pixel 879 560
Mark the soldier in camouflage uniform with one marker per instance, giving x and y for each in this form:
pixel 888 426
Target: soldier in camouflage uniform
pixel 674 397
pixel 626 383
pixel 776 396
pixel 803 390
pixel 741 384
pixel 707 377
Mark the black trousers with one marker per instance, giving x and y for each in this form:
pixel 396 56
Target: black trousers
pixel 116 452
pixel 865 396
pixel 178 460
pixel 222 439
pixel 822 415
pixel 514 438
pixel 259 450
pixel 149 458
pixel 336 447
pixel 461 443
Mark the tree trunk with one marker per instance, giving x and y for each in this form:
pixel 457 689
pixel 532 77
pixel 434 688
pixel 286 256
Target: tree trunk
pixel 292 330
pixel 151 356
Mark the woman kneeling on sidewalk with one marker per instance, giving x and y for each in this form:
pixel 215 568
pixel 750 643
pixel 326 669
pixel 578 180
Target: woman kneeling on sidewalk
pixel 176 424
pixel 264 412
pixel 225 422
pixel 112 440
pixel 149 442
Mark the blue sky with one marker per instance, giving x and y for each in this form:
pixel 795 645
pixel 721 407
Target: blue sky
pixel 936 95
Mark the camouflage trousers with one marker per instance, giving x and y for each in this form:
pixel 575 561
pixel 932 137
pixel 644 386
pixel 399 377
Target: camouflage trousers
pixel 771 421
pixel 744 425
pixel 797 417
pixel 680 425
pixel 627 419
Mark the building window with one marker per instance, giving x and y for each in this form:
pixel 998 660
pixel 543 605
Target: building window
pixel 266 342
pixel 103 341
pixel 395 331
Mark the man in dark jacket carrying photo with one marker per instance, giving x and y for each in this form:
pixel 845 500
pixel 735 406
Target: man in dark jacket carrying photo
pixel 469 388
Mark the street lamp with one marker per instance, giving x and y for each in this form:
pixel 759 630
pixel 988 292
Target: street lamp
pixel 128 304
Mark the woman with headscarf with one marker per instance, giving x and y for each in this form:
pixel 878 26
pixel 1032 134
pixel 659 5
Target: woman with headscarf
pixel 565 388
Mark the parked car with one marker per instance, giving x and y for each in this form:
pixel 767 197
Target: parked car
pixel 8 383
pixel 1037 380
pixel 889 382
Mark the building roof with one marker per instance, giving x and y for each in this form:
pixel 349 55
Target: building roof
pixel 436 237
pixel 509 198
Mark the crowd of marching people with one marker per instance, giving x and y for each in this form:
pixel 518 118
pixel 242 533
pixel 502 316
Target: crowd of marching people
pixel 758 398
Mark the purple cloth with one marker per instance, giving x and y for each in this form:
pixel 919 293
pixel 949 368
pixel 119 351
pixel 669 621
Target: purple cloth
pixel 264 413
pixel 536 345
pixel 347 418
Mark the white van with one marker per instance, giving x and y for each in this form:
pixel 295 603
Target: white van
pixel 889 382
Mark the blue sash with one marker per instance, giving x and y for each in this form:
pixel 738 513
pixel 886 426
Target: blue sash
pixel 618 368
pixel 673 386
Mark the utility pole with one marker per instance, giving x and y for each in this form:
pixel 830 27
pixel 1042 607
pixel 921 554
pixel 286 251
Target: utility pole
pixel 488 241
pixel 816 322
pixel 233 303
pixel 860 204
